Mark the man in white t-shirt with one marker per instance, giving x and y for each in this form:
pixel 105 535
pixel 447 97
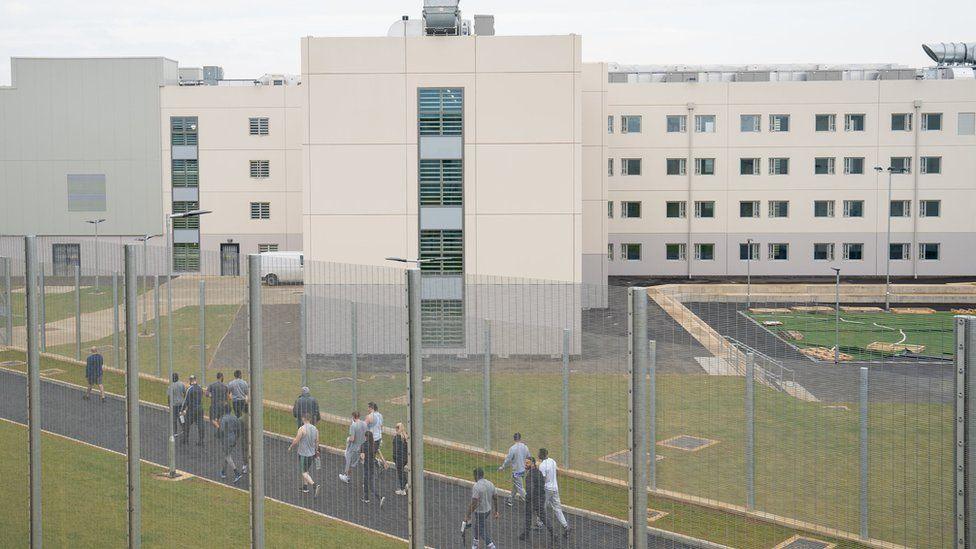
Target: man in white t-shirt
pixel 548 469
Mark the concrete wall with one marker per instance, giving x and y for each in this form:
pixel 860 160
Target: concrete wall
pixel 81 116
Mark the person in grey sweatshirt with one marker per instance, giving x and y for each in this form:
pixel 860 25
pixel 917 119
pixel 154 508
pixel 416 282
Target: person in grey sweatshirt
pixel 176 393
pixel 516 460
pixel 354 442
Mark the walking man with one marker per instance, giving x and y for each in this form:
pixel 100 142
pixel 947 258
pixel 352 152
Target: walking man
pixel 306 403
pixel 548 469
pixel 355 440
pixel 400 456
pixel 193 410
pixel 177 394
pixel 483 500
pixel 368 455
pixel 93 373
pixel 229 431
pixel 374 423
pixel 515 459
pixel 307 443
pixel 535 499
pixel 239 391
pixel 219 395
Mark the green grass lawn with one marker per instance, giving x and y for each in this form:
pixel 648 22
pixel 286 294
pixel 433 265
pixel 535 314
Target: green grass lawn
pixel 858 330
pixel 58 306
pixel 797 477
pixel 84 505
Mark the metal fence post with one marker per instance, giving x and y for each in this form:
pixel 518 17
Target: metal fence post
pixel 132 454
pixel 566 341
pixel 415 402
pixel 115 321
pixel 964 480
pixel 302 340
pixel 78 312
pixel 638 353
pixel 863 408
pixel 486 388
pixel 159 336
pixel 33 390
pixel 8 312
pixel 203 333
pixel 354 343
pixel 169 323
pixel 41 295
pixel 652 414
pixel 750 431
pixel 256 415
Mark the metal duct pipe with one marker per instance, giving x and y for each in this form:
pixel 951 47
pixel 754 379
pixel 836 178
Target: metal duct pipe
pixel 952 53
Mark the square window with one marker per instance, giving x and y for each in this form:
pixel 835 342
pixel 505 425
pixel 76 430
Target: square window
pixel 630 252
pixel 705 208
pixel 260 169
pixel 749 251
pixel 749 208
pixel 823 166
pixel 966 123
pixel 258 126
pixel 854 165
pixel 630 210
pixel 930 208
pixel 823 208
pixel 748 166
pixel 928 251
pixel 674 252
pixel 704 166
pixel 264 248
pixel 677 123
pixel 825 122
pixel 901 122
pixel 853 208
pixel 899 251
pixel 823 251
pixel 630 166
pixel 779 208
pixel 900 208
pixel 750 123
pixel 779 166
pixel 931 121
pixel 676 166
pixel 779 252
pixel 610 251
pixel 854 122
pixel 260 210
pixel 675 210
pixel 630 124
pixel 705 252
pixel 705 123
pixel 853 251
pixel 901 164
pixel 779 122
pixel 931 164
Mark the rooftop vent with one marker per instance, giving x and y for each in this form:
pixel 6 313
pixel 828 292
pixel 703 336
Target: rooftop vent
pixel 442 18
pixel 952 53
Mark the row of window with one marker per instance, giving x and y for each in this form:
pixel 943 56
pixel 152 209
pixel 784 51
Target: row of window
pixel 822 165
pixel 631 209
pixel 752 123
pixel 779 251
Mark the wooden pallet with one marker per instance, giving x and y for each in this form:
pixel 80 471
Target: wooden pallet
pixel 813 309
pixel 885 347
pixel 823 353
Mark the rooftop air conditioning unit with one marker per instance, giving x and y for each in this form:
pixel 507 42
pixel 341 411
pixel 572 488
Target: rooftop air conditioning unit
pixel 442 18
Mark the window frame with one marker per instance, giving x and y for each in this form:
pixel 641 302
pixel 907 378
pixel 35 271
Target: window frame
pixel 848 206
pixel 682 209
pixel 681 248
pixel 625 207
pixel 752 250
pixel 756 126
pixel 785 246
pixel 923 248
pixel 924 165
pixel 625 166
pixel 703 162
pixel 906 162
pixel 923 207
pixel 831 122
pixel 776 123
pixel 770 209
pixel 906 208
pixel 700 206
pixel 830 249
pixel 756 166
pixel 682 120
pixel 926 117
pixel 849 122
pixel 906 126
pixel 780 162
pixel 756 209
pixel 682 166
pixel 906 251
pixel 849 161
pixel 626 247
pixel 848 249
pixel 700 247
pixel 831 165
pixel 701 123
pixel 830 205
pixel 626 119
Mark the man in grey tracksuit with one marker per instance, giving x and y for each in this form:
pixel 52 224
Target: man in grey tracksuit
pixel 177 393
pixel 516 460
pixel 354 442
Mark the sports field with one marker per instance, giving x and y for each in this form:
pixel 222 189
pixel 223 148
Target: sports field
pixel 862 335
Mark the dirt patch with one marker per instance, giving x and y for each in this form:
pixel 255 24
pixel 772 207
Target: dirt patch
pixel 403 400
pixel 813 309
pixel 854 309
pixel 913 310
pixel 793 335
pixel 769 310
pixel 885 347
pixel 823 353
pixel 687 443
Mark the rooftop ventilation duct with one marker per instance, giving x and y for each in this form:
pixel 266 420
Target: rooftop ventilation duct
pixel 442 17
pixel 952 53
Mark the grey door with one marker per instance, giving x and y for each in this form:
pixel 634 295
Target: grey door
pixel 230 259
pixel 65 257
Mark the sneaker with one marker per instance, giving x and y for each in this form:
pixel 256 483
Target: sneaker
pixel 318 489
pixel 365 500
pixel 344 478
pixel 237 477
pixel 400 492
pixel 508 502
pixel 382 501
pixel 244 469
pixel 222 474
pixel 305 489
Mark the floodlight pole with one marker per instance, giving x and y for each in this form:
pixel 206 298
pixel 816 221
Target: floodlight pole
pixel 748 273
pixel 837 316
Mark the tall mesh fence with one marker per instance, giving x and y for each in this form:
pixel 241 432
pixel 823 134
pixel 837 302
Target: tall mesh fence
pixel 774 414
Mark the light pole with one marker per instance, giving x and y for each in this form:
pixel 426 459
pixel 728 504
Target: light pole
pixel 748 273
pixel 837 317
pixel 95 223
pixel 145 277
pixel 890 171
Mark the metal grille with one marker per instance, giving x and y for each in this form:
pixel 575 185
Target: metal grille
pixel 441 182
pixel 258 126
pixel 192 222
pixel 440 111
pixel 185 173
pixel 260 169
pixel 186 257
pixel 183 130
pixel 444 249
pixel 262 248
pixel 442 323
pixel 260 210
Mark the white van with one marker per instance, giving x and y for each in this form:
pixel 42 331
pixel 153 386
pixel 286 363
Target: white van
pixel 282 268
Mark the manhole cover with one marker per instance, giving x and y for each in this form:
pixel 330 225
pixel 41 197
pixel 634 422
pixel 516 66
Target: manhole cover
pixel 687 443
pixel 622 458
pixel 799 542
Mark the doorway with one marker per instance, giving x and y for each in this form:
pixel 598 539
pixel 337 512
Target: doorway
pixel 230 260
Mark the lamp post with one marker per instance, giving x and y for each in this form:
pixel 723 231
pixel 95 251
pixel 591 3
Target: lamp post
pixel 890 171
pixel 95 223
pixel 837 316
pixel 145 277
pixel 748 273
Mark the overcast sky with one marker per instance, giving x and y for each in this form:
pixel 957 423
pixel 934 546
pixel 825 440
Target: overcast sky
pixel 250 38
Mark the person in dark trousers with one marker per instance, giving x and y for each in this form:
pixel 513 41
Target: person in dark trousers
pixel 93 373
pixel 229 432
pixel 535 499
pixel 176 392
pixel 401 455
pixel 219 395
pixel 239 392
pixel 483 500
pixel 367 452
pixel 306 403
pixel 193 410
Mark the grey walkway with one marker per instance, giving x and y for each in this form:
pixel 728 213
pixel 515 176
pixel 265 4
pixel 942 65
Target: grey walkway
pixel 102 424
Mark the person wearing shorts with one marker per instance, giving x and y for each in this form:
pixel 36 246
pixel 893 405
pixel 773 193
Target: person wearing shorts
pixel 483 500
pixel 354 442
pixel 306 443
pixel 93 373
